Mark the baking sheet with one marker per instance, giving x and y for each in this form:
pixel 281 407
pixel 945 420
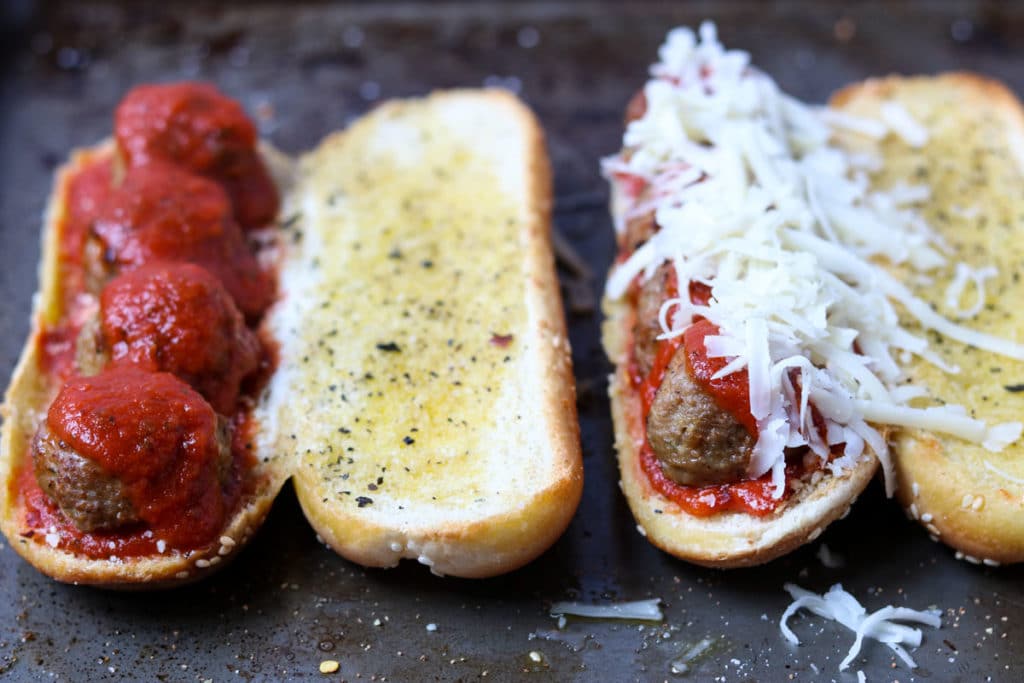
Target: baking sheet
pixel 288 603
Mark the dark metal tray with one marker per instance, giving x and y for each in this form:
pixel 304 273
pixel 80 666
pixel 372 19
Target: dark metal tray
pixel 288 603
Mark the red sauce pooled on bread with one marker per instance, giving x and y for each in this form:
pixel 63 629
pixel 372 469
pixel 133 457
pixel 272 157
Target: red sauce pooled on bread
pixel 187 175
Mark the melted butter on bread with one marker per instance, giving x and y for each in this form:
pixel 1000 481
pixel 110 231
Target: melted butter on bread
pixel 417 337
pixel 974 165
pixel 402 379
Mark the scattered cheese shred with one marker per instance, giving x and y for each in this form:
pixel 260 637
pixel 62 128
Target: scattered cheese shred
pixel 955 290
pixel 637 610
pixel 840 606
pixel 1005 475
pixel 754 199
pixel 830 559
pixel 903 124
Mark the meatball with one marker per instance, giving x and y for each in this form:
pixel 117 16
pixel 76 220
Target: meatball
pixel 197 127
pixel 639 229
pixel 163 213
pixel 178 318
pixel 92 499
pixel 636 108
pixel 132 447
pixel 91 353
pixel 697 443
pixel 647 328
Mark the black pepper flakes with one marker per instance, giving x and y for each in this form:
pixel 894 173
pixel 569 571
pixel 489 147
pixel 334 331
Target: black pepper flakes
pixel 389 347
pixel 363 501
pixel 408 441
pixel 1014 388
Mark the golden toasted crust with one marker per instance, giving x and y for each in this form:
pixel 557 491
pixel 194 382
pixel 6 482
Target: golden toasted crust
pixel 25 404
pixel 728 539
pixel 970 498
pixel 412 481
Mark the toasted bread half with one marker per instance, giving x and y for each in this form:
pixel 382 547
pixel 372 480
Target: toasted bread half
pixel 424 399
pixel 966 496
pixel 25 404
pixel 425 394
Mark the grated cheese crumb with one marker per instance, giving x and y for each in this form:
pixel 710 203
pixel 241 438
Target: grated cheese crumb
pixel 637 610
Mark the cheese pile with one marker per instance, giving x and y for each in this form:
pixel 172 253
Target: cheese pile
pixel 754 200
pixel 842 607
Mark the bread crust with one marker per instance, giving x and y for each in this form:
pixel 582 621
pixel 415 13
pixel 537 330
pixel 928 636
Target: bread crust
pixel 501 542
pixel 947 485
pixel 24 406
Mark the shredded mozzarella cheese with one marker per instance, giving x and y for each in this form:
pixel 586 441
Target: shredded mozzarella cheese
pixel 840 606
pixel 1005 475
pixel 637 610
pixel 903 124
pixel 954 292
pixel 752 198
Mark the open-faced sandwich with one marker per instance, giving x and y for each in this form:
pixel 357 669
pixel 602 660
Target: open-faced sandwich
pixel 776 278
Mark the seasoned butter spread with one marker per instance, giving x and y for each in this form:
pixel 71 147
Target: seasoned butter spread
pixel 402 318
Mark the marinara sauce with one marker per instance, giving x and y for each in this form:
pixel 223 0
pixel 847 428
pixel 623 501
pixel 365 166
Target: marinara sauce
pixel 194 126
pixel 153 260
pixel 731 393
pixel 178 318
pixel 161 212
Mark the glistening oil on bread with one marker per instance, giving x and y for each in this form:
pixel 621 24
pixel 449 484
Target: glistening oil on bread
pixel 422 394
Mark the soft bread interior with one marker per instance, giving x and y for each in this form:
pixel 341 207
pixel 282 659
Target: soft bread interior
pixel 424 394
pixel 965 495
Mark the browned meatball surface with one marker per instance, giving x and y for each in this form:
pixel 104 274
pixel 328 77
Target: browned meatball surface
pixel 697 443
pixel 93 499
pixel 91 353
pixel 639 229
pixel 646 328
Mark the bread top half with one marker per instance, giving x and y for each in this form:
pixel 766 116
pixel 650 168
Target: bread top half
pixel 424 394
pixel 973 161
